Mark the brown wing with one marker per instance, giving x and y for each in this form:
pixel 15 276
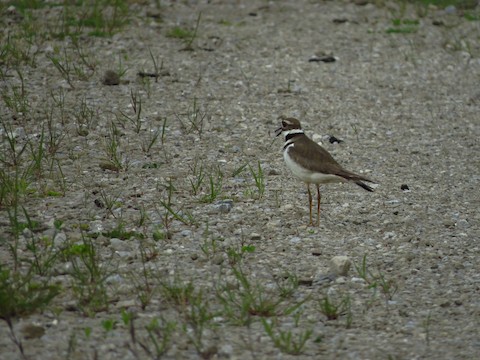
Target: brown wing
pixel 320 160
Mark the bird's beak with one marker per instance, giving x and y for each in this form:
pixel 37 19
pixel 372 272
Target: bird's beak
pixel 278 131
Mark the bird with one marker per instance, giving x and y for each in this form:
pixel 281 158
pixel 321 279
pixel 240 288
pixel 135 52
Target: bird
pixel 311 163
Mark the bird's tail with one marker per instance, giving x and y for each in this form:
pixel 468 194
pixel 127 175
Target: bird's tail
pixel 363 185
pixel 357 179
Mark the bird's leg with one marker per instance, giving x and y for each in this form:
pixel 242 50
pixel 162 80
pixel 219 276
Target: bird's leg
pixel 318 204
pixel 310 203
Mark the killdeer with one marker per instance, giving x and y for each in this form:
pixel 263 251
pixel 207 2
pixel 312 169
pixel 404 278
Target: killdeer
pixel 311 163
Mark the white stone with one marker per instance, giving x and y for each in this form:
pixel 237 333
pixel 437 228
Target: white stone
pixel 340 265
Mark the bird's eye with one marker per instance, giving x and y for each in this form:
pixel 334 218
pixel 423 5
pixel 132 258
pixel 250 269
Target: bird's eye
pixel 284 123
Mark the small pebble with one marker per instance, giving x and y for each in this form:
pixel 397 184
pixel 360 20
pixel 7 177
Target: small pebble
pixel 60 239
pixel 463 224
pixel 226 350
pixel 323 279
pixel 323 58
pixel 451 9
pixel 274 172
pixel 120 245
pixel 449 223
pixel 224 206
pixel 305 282
pixel 124 254
pixel 186 233
pixel 255 236
pixel 295 240
pixel 114 279
pixel 334 140
pixel 32 331
pixel 218 259
pixel 111 78
pixel 340 265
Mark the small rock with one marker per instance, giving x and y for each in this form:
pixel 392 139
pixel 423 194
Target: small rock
pixel 50 232
pixel 32 331
pixel 250 151
pixel 255 236
pixel 340 265
pixel 119 245
pixel 286 208
pixel 323 279
pixel 60 239
pixel 226 350
pixel 114 279
pixel 48 49
pixel 305 282
pixel 27 233
pixel 450 9
pixel 124 254
pixel 95 227
pixel 186 233
pixel 11 10
pixel 463 224
pixel 333 140
pixel 274 224
pixel 107 165
pixel 125 304
pixel 71 305
pixel 209 352
pixel 111 78
pixel 194 256
pixel 295 240
pixel 218 259
pixel 449 223
pixel 389 235
pixel 224 206
pixel 404 187
pixel 154 13
pixel 273 172
pixel 19 132
pixel 444 303
pixel 323 58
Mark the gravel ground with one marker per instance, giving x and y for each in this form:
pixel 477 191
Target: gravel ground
pixel 406 105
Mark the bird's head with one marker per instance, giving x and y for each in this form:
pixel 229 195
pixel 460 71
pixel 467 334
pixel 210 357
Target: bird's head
pixel 289 125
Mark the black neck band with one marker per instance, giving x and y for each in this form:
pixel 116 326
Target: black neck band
pixel 291 136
